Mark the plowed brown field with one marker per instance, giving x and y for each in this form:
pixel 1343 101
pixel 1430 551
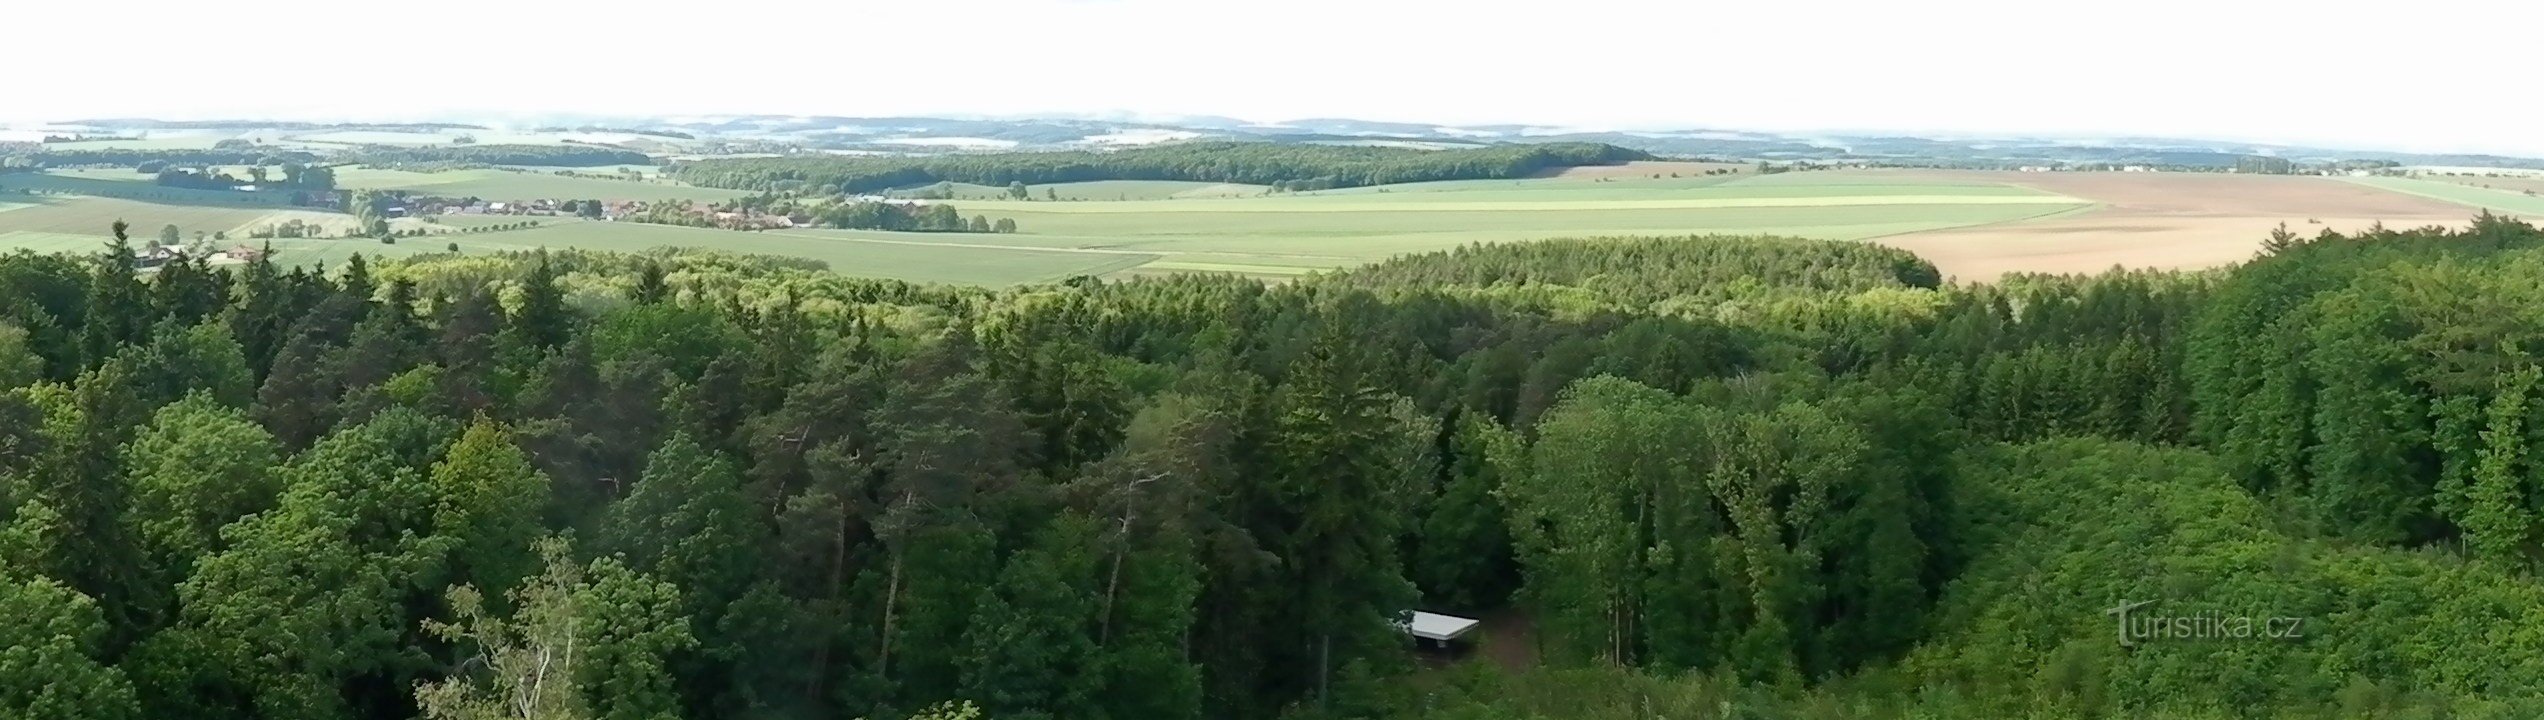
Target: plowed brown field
pixel 2160 220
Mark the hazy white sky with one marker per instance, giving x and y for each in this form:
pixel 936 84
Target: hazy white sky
pixel 2420 75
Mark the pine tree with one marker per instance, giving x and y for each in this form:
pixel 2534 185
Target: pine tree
pixel 542 322
pixel 650 285
pixel 1331 449
pixel 117 312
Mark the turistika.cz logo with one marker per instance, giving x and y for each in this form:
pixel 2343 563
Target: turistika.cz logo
pixel 2136 627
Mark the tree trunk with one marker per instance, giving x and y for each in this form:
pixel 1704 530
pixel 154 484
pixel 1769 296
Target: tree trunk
pixel 838 567
pixel 891 602
pixel 1104 636
pixel 1324 671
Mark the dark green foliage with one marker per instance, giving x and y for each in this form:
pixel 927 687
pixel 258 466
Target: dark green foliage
pixel 116 309
pixel 1638 272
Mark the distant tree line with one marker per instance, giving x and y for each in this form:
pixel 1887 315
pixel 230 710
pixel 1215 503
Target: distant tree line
pixel 136 157
pixel 767 211
pixel 627 131
pixel 540 155
pixel 294 177
pixel 1295 165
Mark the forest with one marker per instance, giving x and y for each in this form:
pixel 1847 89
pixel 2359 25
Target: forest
pixel 532 155
pixel 1718 477
pixel 1301 165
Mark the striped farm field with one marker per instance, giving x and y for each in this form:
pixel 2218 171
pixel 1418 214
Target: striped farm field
pixel 1148 227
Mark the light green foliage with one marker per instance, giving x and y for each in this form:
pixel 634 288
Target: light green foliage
pixel 630 626
pixel 19 365
pixel 486 500
pixel 2500 518
pixel 49 647
pixel 198 467
pixel 314 592
pixel 2079 526
pixel 527 664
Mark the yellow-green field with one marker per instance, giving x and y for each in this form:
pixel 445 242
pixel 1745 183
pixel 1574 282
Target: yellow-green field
pixel 2514 201
pixel 1171 227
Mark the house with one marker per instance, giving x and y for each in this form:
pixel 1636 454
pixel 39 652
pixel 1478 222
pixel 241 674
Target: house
pixel 1435 631
pixel 152 257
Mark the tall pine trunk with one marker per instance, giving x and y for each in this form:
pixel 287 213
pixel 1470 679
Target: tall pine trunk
pixel 891 602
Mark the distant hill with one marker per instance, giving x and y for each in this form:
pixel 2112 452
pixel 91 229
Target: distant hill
pixel 929 135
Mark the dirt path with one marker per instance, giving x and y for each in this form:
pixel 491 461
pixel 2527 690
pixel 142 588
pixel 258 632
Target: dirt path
pixel 1510 640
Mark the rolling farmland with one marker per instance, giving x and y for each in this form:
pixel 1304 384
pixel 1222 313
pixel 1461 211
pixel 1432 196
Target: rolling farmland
pixel 1974 225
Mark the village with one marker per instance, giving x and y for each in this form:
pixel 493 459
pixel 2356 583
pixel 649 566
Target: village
pixel 745 216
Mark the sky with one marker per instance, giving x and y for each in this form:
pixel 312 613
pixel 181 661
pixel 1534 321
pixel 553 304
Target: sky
pixel 2425 75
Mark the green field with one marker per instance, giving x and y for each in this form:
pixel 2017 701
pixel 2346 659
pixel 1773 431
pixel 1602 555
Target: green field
pixel 51 217
pixel 500 185
pixel 1180 227
pixel 2506 201
pixel 1283 234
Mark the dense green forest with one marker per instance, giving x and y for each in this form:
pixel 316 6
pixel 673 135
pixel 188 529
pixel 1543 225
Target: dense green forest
pixel 1714 477
pixel 1302 166
pixel 534 155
